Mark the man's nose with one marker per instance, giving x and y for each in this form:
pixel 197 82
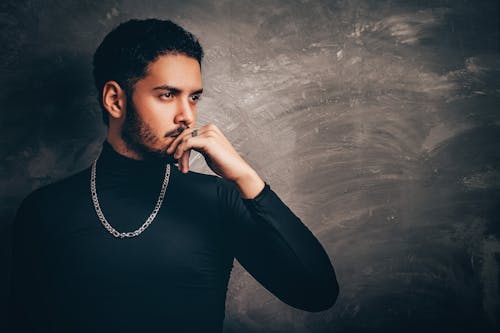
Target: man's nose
pixel 185 112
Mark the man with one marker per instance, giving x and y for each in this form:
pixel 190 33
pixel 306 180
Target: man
pixel 135 244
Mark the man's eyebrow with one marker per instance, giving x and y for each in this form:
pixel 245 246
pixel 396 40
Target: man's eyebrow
pixel 176 90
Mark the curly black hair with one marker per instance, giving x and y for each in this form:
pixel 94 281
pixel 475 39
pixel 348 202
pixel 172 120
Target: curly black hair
pixel 125 53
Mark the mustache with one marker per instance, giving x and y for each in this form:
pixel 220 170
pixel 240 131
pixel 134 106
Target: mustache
pixel 177 131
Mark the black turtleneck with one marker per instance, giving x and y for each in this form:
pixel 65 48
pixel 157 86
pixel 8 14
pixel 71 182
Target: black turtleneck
pixel 71 275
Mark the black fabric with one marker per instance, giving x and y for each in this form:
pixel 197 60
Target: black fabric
pixel 71 275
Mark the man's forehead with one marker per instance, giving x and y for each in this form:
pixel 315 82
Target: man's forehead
pixel 178 71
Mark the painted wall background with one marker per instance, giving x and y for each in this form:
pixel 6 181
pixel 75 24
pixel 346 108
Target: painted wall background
pixel 377 122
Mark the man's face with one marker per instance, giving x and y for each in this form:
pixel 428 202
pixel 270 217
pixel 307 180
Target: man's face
pixel 162 103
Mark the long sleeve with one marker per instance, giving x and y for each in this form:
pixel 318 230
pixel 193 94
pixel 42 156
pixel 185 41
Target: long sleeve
pixel 278 250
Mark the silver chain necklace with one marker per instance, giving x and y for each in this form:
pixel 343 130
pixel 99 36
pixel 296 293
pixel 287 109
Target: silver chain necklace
pixel 105 222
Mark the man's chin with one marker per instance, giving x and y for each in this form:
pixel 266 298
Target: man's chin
pixel 154 155
pixel 160 155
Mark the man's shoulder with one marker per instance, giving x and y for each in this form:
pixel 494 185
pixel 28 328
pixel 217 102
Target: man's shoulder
pixel 211 187
pixel 44 201
pixel 59 189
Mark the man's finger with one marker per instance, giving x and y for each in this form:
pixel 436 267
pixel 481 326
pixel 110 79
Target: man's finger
pixel 184 161
pixel 197 143
pixel 178 140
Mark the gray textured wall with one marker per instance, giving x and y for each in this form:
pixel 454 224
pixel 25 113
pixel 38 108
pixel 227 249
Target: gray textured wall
pixel 376 121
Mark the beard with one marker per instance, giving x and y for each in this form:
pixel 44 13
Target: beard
pixel 139 137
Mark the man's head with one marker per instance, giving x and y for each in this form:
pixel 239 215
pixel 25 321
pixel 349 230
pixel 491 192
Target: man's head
pixel 148 77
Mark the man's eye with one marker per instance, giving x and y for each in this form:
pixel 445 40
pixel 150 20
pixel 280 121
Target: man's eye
pixel 167 95
pixel 195 98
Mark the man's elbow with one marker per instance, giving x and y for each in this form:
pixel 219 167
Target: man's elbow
pixel 318 297
pixel 324 298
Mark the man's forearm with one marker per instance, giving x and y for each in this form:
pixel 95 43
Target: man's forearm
pixel 250 185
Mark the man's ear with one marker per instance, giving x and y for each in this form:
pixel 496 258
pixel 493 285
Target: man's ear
pixel 114 99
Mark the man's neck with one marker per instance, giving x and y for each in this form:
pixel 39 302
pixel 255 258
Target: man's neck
pixel 120 146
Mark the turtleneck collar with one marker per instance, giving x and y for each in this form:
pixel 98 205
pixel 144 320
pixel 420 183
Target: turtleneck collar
pixel 112 163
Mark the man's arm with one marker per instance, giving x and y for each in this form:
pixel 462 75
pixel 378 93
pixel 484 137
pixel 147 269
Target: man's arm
pixel 250 185
pixel 276 248
pixel 268 239
pixel 26 299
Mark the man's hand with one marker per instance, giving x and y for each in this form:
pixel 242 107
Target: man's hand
pixel 220 156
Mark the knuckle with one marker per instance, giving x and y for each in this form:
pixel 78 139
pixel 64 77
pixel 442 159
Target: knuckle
pixel 212 127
